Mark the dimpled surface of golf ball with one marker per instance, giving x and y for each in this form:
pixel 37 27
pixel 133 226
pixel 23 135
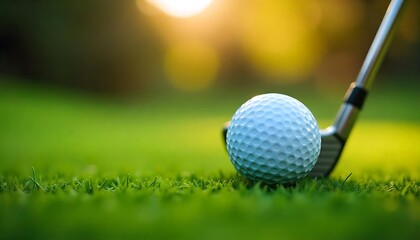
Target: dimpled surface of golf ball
pixel 273 138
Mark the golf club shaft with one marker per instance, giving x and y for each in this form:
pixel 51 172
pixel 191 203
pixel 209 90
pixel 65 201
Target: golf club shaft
pixel 379 45
pixel 358 90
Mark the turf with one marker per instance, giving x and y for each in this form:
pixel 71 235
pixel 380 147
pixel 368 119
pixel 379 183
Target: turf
pixel 77 166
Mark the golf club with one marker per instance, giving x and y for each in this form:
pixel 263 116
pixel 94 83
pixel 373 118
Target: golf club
pixel 334 137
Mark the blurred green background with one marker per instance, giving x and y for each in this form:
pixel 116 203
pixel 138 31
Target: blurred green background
pixel 118 106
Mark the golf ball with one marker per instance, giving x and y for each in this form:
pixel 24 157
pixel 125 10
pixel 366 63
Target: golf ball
pixel 273 138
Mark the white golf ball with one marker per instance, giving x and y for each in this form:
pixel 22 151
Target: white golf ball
pixel 273 138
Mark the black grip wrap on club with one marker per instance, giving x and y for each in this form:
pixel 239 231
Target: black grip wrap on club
pixel 356 96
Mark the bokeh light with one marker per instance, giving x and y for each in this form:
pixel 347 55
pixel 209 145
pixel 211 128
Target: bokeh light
pixel 191 65
pixel 277 39
pixel 181 8
pixel 341 16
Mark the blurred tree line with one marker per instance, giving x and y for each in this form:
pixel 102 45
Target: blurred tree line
pixel 96 45
pixel 119 46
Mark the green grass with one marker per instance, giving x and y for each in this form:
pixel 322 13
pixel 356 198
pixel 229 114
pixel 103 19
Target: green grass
pixel 156 168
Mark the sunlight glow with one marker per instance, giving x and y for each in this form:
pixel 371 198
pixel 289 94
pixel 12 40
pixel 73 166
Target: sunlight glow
pixel 181 8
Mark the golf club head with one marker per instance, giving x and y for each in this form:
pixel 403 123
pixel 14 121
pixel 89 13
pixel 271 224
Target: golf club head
pixel 225 130
pixel 331 148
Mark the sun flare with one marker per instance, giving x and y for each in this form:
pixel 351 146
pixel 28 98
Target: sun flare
pixel 181 8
